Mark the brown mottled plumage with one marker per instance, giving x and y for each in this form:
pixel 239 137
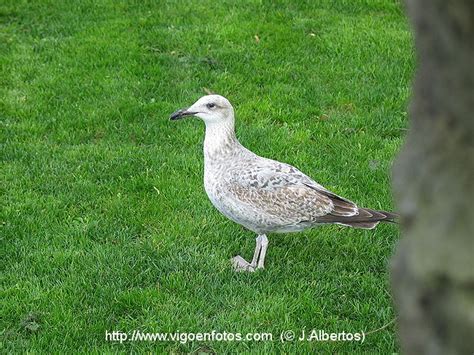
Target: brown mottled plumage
pixel 264 195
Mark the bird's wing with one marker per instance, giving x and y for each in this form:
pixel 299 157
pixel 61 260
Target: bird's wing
pixel 283 191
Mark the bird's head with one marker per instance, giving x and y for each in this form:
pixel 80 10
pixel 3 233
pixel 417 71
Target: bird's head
pixel 211 109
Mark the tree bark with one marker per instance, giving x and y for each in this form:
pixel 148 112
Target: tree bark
pixel 432 272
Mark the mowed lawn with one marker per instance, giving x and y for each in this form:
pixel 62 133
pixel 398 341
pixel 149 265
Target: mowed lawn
pixel 105 224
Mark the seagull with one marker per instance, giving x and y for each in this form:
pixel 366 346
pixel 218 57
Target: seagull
pixel 265 195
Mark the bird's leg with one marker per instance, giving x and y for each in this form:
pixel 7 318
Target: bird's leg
pixel 256 253
pixel 263 251
pixel 240 264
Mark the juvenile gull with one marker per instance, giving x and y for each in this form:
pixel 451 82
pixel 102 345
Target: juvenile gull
pixel 261 194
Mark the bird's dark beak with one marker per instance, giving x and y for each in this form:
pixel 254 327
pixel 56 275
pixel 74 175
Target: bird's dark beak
pixel 181 114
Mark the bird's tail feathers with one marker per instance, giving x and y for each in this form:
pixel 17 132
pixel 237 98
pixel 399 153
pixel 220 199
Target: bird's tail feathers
pixel 368 219
pixel 346 212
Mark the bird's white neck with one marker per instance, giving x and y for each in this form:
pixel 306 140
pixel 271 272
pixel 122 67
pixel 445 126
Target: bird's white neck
pixel 220 139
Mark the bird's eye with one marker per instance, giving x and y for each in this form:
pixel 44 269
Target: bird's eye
pixel 211 105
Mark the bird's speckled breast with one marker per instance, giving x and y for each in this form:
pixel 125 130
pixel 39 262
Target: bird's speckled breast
pixel 216 175
pixel 214 184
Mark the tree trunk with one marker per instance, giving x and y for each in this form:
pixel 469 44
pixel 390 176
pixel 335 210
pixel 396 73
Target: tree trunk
pixel 433 269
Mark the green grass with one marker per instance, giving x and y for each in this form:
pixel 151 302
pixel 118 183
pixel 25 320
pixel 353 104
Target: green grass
pixel 105 224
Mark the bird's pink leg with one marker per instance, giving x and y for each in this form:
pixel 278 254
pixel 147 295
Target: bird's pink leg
pixel 263 251
pixel 240 264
